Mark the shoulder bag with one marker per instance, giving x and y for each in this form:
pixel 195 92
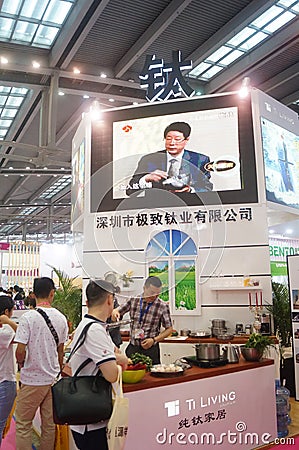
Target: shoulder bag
pixel 81 400
pixel 49 323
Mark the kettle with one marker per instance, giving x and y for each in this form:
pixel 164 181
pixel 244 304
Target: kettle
pixel 231 353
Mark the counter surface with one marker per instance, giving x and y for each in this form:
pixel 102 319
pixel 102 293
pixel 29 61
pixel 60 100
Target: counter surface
pixel 242 339
pixel 195 373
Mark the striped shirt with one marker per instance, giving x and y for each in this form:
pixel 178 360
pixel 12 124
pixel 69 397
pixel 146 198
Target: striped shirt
pixel 150 319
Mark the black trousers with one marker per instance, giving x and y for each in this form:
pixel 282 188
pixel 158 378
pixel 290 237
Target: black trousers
pixel 91 440
pixel 153 352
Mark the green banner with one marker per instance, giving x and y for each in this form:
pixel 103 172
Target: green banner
pixel 278 268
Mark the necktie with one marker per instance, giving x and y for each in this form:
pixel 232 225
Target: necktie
pixel 173 168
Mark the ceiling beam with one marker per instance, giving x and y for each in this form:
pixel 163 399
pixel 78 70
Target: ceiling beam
pixel 13 190
pixel 36 82
pixel 19 171
pixel 229 30
pixel 289 99
pixel 75 30
pixel 164 20
pixel 256 58
pixel 283 77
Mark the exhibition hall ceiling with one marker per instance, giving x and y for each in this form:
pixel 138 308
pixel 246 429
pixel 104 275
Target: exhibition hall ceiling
pixel 59 58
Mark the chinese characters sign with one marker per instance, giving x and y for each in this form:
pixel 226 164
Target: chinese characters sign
pixel 202 216
pixel 165 80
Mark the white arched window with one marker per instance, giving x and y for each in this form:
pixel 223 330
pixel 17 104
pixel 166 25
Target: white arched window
pixel 172 256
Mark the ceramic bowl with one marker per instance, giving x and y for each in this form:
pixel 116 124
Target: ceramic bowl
pixel 251 354
pixel 133 376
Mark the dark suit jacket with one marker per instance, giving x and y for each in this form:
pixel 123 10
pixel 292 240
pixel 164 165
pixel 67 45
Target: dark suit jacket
pixel 192 163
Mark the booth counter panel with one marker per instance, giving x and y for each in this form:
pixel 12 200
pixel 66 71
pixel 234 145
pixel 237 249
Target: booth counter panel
pixel 232 407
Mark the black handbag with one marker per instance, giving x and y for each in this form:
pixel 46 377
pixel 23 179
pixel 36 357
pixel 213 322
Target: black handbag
pixel 81 400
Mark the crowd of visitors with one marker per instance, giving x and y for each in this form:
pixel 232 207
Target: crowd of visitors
pixel 40 337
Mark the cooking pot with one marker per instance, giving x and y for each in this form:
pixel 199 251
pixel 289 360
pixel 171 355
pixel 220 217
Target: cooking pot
pixel 218 323
pixel 185 332
pixel 208 351
pixel 215 331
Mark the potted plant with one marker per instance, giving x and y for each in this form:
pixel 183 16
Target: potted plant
pixel 126 278
pixel 68 299
pixel 255 347
pixel 281 313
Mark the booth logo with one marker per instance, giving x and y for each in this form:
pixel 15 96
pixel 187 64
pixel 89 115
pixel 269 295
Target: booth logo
pixel 173 408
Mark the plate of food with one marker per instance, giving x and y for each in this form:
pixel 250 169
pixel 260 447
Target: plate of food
pixel 167 370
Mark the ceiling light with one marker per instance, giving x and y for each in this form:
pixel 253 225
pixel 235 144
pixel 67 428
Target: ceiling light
pixel 244 90
pixel 95 111
pixel 85 96
pixel 111 100
pixel 103 75
pixel 135 103
pixel 35 64
pixel 271 231
pixel 10 168
pixel 27 168
pixel 3 60
pixel 76 71
pixel 61 93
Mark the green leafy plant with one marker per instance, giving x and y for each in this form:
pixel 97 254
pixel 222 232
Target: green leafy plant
pixel 140 358
pixel 281 313
pixel 68 298
pixel 260 342
pixel 126 278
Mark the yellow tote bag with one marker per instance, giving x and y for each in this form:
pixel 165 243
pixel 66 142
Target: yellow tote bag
pixel 62 437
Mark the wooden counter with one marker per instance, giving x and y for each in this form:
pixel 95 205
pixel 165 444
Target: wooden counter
pixel 195 373
pixel 242 339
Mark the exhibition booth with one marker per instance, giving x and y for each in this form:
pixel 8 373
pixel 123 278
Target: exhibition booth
pixel 207 242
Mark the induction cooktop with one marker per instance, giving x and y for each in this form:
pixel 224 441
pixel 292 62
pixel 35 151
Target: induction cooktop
pixel 204 363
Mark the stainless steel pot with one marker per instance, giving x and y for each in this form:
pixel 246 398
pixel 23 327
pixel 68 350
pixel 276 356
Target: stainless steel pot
pixel 209 352
pixel 218 323
pixel 216 331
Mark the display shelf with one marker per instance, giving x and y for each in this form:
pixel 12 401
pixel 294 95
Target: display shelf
pixel 236 288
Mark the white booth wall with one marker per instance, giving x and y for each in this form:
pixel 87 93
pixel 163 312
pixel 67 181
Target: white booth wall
pixel 226 251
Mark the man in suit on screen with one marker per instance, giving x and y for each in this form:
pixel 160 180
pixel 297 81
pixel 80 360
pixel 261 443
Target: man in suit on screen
pixel 175 168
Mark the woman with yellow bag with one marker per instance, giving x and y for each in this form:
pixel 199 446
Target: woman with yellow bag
pixel 8 388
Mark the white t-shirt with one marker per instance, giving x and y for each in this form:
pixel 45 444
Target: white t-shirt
pixel 7 368
pixel 41 363
pixel 99 347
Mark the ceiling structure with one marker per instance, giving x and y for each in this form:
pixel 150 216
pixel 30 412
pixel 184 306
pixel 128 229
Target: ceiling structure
pixel 57 57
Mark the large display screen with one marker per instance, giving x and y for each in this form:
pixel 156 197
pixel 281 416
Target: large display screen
pixel 211 138
pixel 281 159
